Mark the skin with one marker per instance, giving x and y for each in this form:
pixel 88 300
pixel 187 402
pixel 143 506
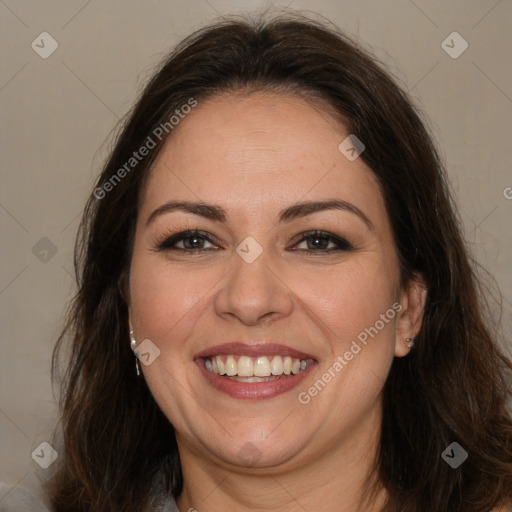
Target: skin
pixel 254 155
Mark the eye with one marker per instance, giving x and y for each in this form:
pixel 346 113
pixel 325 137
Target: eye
pixel 189 240
pixel 195 240
pixel 319 241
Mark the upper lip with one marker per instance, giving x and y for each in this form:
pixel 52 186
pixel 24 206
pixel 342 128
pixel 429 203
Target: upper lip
pixel 252 349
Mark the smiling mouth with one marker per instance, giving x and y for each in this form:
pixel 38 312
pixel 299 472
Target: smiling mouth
pixel 255 369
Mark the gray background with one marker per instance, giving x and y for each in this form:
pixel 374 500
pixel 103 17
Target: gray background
pixel 58 113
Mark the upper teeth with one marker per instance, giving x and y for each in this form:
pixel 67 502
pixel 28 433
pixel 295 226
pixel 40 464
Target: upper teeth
pixel 261 366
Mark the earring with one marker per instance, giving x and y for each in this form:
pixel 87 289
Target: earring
pixel 133 344
pixel 410 342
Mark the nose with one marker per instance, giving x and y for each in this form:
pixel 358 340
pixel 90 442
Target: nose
pixel 254 293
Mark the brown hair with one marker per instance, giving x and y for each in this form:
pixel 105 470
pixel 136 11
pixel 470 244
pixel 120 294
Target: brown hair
pixel 452 387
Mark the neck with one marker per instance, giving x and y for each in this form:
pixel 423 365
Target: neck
pixel 336 478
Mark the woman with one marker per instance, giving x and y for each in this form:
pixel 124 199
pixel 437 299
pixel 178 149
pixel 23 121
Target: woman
pixel 273 238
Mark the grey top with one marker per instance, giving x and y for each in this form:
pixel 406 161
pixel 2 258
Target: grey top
pixel 169 505
pixel 17 499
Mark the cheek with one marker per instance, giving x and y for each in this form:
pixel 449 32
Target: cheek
pixel 358 318
pixel 352 298
pixel 166 302
pixel 347 299
pixel 165 299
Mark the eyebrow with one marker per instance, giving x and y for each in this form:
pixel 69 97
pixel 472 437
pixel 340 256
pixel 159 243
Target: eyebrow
pixel 289 214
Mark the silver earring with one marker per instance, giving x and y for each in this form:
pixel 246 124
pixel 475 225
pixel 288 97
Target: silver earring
pixel 410 342
pixel 133 344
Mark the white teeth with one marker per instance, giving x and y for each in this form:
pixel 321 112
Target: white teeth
pixel 255 369
pixel 231 366
pixel 276 365
pixel 262 367
pixel 287 365
pixel 220 365
pixel 245 367
pixel 254 379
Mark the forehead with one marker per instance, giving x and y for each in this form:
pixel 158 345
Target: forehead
pixel 262 149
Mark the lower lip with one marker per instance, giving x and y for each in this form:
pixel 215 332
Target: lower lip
pixel 253 390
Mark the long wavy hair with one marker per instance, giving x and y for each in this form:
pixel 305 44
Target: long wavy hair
pixel 454 385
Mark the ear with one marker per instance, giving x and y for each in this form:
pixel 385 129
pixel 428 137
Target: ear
pixel 412 298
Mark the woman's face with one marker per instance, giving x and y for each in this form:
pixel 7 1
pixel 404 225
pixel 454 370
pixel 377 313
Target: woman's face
pixel 305 324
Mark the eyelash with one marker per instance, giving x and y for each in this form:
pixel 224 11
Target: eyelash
pixel 168 243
